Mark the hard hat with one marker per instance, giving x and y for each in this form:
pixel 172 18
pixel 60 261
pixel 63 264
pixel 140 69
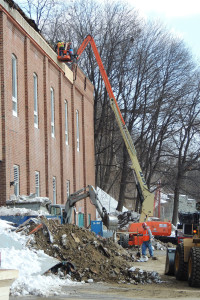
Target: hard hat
pixel 144 225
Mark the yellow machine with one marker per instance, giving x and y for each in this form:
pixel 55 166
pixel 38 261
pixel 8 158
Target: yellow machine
pixel 184 260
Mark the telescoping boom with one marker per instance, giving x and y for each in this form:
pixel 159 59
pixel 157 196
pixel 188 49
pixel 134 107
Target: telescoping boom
pixel 146 197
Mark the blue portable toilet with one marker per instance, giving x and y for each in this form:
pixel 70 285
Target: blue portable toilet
pixel 97 227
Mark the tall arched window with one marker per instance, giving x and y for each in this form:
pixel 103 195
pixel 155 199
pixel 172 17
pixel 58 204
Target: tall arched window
pixel 16 180
pixel 66 123
pixel 54 190
pixel 77 131
pixel 37 184
pixel 35 87
pixel 14 85
pixel 52 113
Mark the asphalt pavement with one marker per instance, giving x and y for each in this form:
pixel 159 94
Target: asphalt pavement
pixel 103 291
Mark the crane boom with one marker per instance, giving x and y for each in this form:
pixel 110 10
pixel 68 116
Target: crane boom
pixel 89 39
pixel 146 197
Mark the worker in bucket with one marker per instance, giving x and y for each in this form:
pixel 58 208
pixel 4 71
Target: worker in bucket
pixel 147 240
pixel 60 47
pixel 69 49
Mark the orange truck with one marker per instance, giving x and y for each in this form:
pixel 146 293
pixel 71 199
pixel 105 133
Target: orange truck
pixel 157 228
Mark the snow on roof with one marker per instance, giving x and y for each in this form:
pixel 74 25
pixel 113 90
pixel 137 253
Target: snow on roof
pixel 28 199
pixel 14 211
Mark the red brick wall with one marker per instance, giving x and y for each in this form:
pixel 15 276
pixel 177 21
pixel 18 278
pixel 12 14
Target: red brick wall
pixel 67 149
pixel 36 136
pixel 15 130
pixel 34 149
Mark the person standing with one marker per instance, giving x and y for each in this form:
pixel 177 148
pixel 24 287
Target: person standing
pixel 147 240
pixel 60 47
pixel 70 49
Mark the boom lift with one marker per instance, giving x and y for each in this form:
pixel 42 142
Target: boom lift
pixel 146 197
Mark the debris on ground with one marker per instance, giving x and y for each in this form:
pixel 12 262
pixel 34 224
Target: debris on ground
pixel 127 217
pixel 85 256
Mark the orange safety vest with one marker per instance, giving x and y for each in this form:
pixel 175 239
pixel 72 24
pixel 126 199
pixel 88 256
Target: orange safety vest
pixel 146 237
pixel 61 44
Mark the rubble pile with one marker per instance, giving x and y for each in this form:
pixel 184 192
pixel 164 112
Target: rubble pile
pixel 159 245
pixel 127 217
pixel 85 256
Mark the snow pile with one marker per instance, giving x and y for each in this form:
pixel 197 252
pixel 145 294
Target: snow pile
pixel 15 255
pixel 6 211
pixel 108 202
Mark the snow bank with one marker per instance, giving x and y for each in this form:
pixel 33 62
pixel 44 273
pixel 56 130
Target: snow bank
pixel 16 255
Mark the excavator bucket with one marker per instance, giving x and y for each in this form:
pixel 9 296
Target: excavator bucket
pixel 111 222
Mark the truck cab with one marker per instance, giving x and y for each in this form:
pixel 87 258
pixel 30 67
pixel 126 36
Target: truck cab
pixel 58 210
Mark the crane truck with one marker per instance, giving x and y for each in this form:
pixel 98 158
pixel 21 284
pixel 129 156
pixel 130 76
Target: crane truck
pixel 145 196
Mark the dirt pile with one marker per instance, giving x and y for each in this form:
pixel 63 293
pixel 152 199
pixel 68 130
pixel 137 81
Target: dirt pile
pixel 85 256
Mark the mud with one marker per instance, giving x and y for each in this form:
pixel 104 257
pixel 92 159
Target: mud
pixel 107 264
pixel 87 257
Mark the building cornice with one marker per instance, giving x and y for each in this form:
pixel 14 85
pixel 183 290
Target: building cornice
pixel 36 38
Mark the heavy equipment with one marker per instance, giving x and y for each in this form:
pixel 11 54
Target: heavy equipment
pixel 184 260
pixel 110 221
pixel 58 211
pixel 145 196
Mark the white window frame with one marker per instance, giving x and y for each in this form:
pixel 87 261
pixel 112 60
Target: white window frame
pixel 89 220
pixel 37 184
pixel 66 123
pixel 68 188
pixel 54 190
pixel 52 113
pixel 16 180
pixel 77 131
pixel 14 85
pixel 35 88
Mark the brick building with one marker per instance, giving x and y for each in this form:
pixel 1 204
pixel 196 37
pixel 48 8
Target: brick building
pixel 46 126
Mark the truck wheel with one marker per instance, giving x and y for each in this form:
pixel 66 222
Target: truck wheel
pixel 121 239
pixel 169 263
pixel 194 267
pixel 124 239
pixel 180 267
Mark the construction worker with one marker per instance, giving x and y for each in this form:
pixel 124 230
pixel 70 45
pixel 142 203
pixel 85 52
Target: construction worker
pixel 147 240
pixel 69 49
pixel 60 47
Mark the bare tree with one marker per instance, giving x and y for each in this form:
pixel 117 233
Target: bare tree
pixel 184 140
pixel 114 27
pixel 41 11
pixel 161 67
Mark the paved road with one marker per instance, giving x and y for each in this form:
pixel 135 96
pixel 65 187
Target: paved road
pixel 102 291
pixel 169 289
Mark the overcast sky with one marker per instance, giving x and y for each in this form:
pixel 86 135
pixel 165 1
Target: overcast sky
pixel 180 16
